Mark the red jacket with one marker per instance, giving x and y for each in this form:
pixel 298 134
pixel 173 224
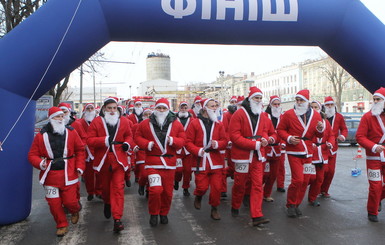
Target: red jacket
pixel 191 111
pixel 246 140
pixel 41 151
pixel 196 142
pixel 274 150
pixel 160 157
pixel 339 128
pixel 292 125
pixel 98 139
pixel 321 152
pixel 370 133
pixel 81 127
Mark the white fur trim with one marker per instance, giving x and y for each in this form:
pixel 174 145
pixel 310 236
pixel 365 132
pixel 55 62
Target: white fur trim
pixel 81 171
pixel 106 141
pixel 56 114
pixel 215 144
pixel 329 102
pixel 150 145
pixel 41 164
pixel 255 94
pixel 374 148
pixel 379 95
pixel 302 97
pixel 171 141
pixel 207 101
pixel 162 104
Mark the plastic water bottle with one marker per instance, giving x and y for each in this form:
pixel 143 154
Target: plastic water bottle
pixel 355 171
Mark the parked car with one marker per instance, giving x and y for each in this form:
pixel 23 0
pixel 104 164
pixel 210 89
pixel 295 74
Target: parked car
pixel 352 125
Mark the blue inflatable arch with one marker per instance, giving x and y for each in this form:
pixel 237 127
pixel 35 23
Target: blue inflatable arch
pixel 345 29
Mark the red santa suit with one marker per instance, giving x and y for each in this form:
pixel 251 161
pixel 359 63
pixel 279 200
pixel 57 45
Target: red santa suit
pixel 191 111
pixel 370 134
pixel 111 160
pixel 228 168
pixel 60 176
pixel 248 155
pixel 339 128
pixel 292 125
pixel 206 161
pixel 160 162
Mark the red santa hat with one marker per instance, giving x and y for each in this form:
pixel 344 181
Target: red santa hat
pixel 380 93
pixel 328 100
pixel 162 102
pixel 137 101
pixel 319 103
pixel 147 109
pixel 205 101
pixel 240 99
pixel 54 111
pixel 233 98
pixel 131 107
pixel 273 98
pixel 64 106
pixel 110 100
pixel 254 91
pixel 303 94
pixel 182 103
pixel 87 105
pixel 197 99
pixel 225 110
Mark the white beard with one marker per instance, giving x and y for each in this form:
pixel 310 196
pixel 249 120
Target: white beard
pixel 183 114
pixel 196 109
pixel 58 126
pixel 138 111
pixel 330 112
pixel 160 117
pixel 111 120
pixel 256 107
pixel 301 109
pixel 66 119
pixel 212 115
pixel 89 116
pixel 377 108
pixel 276 111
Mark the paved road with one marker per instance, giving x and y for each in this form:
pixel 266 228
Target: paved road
pixel 341 219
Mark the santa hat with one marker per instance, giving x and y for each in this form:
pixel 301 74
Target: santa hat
pixel 110 100
pixel 225 110
pixel 182 103
pixel 87 105
pixel 274 97
pixel 240 99
pixel 64 106
pixel 380 93
pixel 254 91
pixel 131 107
pixel 233 98
pixel 197 99
pixel 319 103
pixel 328 100
pixel 303 94
pixel 54 111
pixel 147 109
pixel 205 101
pixel 152 106
pixel 162 102
pixel 137 101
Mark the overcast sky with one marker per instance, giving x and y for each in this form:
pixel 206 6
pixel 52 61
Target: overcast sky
pixel 201 63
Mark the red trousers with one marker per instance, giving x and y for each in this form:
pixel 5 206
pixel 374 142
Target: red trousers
pixel 142 175
pixel 315 184
pixel 270 177
pixel 299 180
pixel 112 175
pixel 160 197
pixel 255 174
pixel 329 174
pixel 178 174
pixel 92 180
pixel 375 172
pixel 187 172
pixel 209 178
pixel 281 172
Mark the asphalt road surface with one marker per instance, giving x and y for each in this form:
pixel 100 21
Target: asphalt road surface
pixel 341 219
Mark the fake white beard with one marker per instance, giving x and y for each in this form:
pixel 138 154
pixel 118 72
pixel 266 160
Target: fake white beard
pixel 377 108
pixel 138 111
pixel 276 111
pixel 196 109
pixel 212 114
pixel 256 107
pixel 66 119
pixel 301 109
pixel 89 116
pixel 183 114
pixel 330 112
pixel 160 117
pixel 111 120
pixel 58 126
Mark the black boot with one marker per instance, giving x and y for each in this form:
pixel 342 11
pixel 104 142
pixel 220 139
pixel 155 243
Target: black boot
pixel 118 225
pixel 246 201
pixel 141 190
pixel 154 220
pixel 260 220
pixel 197 202
pixel 291 212
pixel 186 193
pixel 372 218
pixel 176 185
pixel 90 197
pixel 128 183
pixel 234 212
pixel 107 211
pixel 163 219
pixel 215 214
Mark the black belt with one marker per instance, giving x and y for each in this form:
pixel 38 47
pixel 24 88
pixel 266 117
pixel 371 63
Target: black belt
pixel 318 144
pixel 165 155
pixel 304 138
pixel 60 158
pixel 254 137
pixel 117 143
pixel 274 144
pixel 209 150
pixel 299 156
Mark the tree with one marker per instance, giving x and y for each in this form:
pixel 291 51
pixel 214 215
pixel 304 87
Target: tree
pixel 337 76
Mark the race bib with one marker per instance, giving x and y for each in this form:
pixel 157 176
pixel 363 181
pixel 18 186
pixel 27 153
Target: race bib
pixel 51 192
pixel 267 168
pixel 374 174
pixel 179 163
pixel 309 168
pixel 242 168
pixel 154 180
